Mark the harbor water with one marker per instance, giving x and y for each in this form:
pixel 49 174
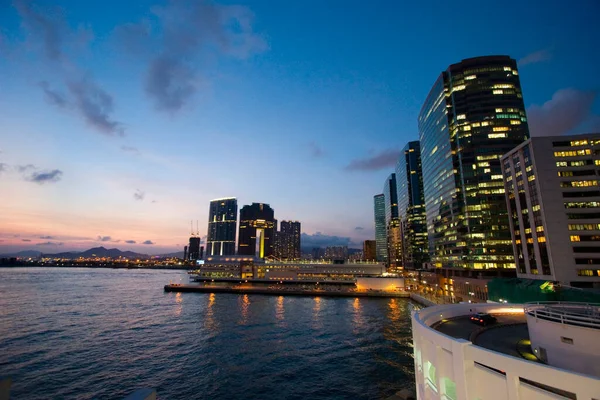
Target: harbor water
pixel 77 333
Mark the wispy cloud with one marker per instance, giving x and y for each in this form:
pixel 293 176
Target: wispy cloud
pixel 148 242
pixel 50 244
pixel 315 150
pixel 3 167
pixel 26 240
pixel 567 109
pixel 130 241
pixel 535 57
pixel 103 238
pixel 359 228
pixel 42 177
pixel 25 168
pixel 47 237
pixel 130 149
pixel 385 159
pixel 45 26
pixel 49 32
pixel 189 32
pixel 95 105
pixel 52 96
pixel 139 195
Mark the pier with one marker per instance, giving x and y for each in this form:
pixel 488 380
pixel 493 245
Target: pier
pixel 178 287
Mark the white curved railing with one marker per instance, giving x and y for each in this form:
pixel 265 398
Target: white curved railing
pixel 477 372
pixel 579 314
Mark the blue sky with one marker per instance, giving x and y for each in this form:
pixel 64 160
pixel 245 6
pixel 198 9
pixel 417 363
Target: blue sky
pixel 119 121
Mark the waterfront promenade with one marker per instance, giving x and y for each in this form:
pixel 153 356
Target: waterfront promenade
pixel 279 291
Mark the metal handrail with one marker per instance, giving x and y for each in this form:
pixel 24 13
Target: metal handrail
pixel 566 313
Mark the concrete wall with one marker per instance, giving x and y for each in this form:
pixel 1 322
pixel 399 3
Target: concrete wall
pixel 583 355
pixel 449 368
pixel 387 284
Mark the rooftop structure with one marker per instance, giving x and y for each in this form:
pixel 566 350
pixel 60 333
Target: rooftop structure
pixel 533 351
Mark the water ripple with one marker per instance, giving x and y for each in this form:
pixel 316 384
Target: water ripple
pixel 100 334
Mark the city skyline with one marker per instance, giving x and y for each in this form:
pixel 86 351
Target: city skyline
pixel 107 157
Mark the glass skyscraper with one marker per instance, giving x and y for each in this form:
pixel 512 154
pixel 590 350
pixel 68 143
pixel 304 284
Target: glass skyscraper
pixel 222 221
pixel 411 207
pixel 392 224
pixel 391 198
pixel 380 228
pixel 472 116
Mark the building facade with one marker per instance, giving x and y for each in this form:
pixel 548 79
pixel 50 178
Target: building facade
pixel 194 248
pixel 369 250
pixel 380 228
pixel 291 234
pixel 390 193
pixel 472 116
pixel 257 226
pixel 222 222
pixel 411 207
pixel 553 200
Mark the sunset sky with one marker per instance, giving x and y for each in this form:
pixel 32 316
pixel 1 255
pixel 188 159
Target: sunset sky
pixel 121 120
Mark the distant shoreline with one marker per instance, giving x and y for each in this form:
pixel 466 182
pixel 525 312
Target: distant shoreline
pixel 161 267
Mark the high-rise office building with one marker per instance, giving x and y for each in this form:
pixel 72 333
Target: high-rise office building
pixel 369 250
pixel 390 194
pixel 194 248
pixel 380 228
pixel 392 224
pixel 222 221
pixel 411 207
pixel 472 116
pixel 553 200
pixel 257 226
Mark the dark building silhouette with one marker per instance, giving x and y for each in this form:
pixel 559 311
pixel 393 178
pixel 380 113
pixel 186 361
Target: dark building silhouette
pixel 287 241
pixel 257 227
pixel 472 116
pixel 411 207
pixel 380 228
pixel 194 248
pixel 222 221
pixel 369 250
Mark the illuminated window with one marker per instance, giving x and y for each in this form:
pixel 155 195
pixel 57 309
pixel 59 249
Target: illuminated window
pixel 561 163
pixel 575 238
pixel 461 116
pixel 515 122
pixel 584 227
pixel 569 184
pixel 499 110
pixel 496 135
pixel 500 129
pixel 498 91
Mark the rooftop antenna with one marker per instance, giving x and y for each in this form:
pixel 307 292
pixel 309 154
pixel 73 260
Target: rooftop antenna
pixel 192 227
pixel 197 229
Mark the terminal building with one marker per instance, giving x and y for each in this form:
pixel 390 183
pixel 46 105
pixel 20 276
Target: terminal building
pixel 363 275
pixel 534 351
pixel 553 200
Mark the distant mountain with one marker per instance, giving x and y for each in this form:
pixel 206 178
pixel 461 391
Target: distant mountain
pixel 22 254
pixel 98 252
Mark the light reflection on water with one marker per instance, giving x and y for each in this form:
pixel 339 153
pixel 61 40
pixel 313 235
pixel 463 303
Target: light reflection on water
pixel 82 333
